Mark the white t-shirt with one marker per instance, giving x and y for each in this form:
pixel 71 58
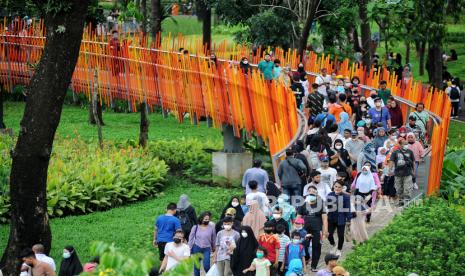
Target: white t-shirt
pixel 328 176
pixel 260 197
pixel 448 93
pixel 46 259
pixel 319 80
pixel 182 250
pixel 323 190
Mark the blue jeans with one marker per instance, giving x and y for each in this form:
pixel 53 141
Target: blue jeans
pixel 292 191
pixel 206 258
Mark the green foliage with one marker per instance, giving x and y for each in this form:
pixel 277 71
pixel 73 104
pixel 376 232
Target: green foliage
pixel 235 12
pixel 453 176
pixel 269 29
pixel 83 179
pixel 130 12
pixel 428 239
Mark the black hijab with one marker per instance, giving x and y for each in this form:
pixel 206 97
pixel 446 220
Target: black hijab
pixel 71 266
pixel 239 213
pixel 244 253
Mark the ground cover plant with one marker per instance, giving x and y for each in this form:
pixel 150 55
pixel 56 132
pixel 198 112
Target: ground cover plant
pixel 428 239
pixel 453 176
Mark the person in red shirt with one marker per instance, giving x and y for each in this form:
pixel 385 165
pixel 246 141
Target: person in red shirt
pixel 271 243
pixel 334 108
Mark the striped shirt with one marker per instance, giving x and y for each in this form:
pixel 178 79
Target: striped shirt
pixel 283 241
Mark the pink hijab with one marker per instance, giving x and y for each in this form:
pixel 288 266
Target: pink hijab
pixel 255 218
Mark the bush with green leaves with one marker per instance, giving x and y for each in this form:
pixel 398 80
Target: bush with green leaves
pixel 428 239
pixel 83 178
pixel 269 29
pixel 453 175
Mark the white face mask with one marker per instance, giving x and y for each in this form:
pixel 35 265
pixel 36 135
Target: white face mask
pixel 280 200
pixel 66 255
pixel 405 147
pixel 227 227
pixel 338 147
pixel 393 137
pixel 235 204
pixel 245 62
pixel 368 121
pixel 276 216
pixel 298 227
pixel 361 133
pixel 244 235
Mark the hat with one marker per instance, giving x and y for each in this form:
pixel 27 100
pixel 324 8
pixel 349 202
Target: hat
pixel 354 133
pixel 299 221
pixel 413 118
pixel 324 158
pixel 361 123
pixel 330 257
pixel 231 211
pixel 377 99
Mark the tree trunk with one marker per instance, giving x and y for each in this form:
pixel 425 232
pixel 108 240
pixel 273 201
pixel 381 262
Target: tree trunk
pixel 156 17
pixel 99 113
pixel 2 123
pixel 356 42
pixel 366 35
pixel 407 51
pixel 207 28
pixel 421 53
pixel 435 65
pixel 306 32
pixel 137 3
pixel 143 10
pixel 46 92
pixel 144 125
pixel 232 144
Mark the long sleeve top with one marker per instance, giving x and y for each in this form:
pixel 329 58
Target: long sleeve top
pixel 203 237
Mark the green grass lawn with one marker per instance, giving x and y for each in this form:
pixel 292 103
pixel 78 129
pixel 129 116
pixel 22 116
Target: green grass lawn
pixel 129 227
pixel 118 126
pixel 456 134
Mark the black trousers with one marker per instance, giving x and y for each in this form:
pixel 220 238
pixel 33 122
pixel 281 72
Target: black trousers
pixel 455 108
pixel 161 250
pixel 332 226
pixel 316 247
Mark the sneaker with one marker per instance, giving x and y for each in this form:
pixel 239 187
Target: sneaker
pixel 333 250
pixel 313 269
pixel 338 253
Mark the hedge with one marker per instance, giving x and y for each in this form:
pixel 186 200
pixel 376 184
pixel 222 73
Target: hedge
pixel 428 239
pixel 83 179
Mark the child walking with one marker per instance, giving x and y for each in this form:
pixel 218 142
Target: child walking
pixel 261 265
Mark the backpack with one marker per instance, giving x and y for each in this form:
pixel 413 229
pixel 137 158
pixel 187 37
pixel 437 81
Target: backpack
pixel 186 223
pixel 454 93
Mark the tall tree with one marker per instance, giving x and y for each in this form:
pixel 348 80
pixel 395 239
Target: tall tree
pixel 143 11
pixel 157 14
pixel 366 33
pixel 64 23
pixel 2 123
pixel 204 12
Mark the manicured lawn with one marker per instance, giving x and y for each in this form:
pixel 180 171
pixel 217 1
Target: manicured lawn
pixel 118 126
pixel 129 227
pixel 456 134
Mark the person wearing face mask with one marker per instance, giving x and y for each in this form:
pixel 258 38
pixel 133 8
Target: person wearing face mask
pixel 402 160
pixel 418 152
pixel 230 213
pixel 379 138
pixel 186 214
pixel 323 80
pixel 277 219
pixel 368 154
pixel 315 219
pixel 339 214
pixel 301 70
pixel 234 203
pixel 328 174
pixel 354 146
pixel 380 114
pixel 392 139
pixel 415 129
pixel 341 160
pixel 71 265
pixel 289 213
pixel 284 240
pixel 266 67
pixel 244 253
pixel 365 185
pixel 294 250
pixel 277 69
pixel 383 92
pixel 202 240
pixel 226 241
pixel 35 267
pixel 422 116
pixel 175 252
pixel 270 242
pixel 255 218
pixel 361 109
pixel 323 188
pixel 245 66
pixel 397 118
pixel 261 264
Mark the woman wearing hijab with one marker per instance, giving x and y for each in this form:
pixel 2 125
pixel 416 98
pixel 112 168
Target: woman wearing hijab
pixel 344 123
pixel 235 203
pixel 341 160
pixel 368 185
pixel 397 119
pixel 255 218
pixel 289 211
pixel 245 66
pixel 379 138
pixel 70 265
pixel 186 214
pixel 244 253
pixel 368 154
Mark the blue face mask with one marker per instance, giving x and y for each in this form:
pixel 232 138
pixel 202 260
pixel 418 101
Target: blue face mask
pixel 260 255
pixel 340 89
pixel 311 198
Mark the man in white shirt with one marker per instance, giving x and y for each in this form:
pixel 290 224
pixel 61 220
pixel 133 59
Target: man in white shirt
pixel 322 188
pixel 39 251
pixel 328 174
pixel 323 82
pixel 175 252
pixel 260 197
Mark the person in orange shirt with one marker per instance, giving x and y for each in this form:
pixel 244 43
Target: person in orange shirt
pixel 346 107
pixel 334 108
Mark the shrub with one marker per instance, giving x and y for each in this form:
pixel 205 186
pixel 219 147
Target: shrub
pixel 83 179
pixel 428 239
pixel 453 177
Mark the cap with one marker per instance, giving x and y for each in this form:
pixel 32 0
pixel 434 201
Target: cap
pixel 231 211
pixel 413 118
pixel 354 133
pixel 299 221
pixel 330 257
pixel 324 158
